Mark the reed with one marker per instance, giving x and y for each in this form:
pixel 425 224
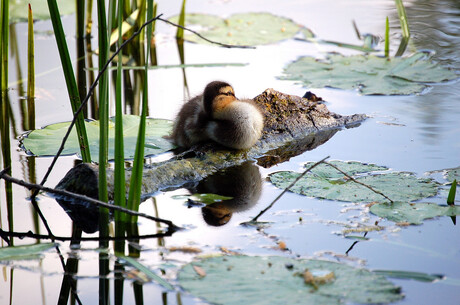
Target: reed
pixel 4 30
pixel 180 31
pixel 134 195
pixel 103 120
pixel 387 38
pixel 30 72
pixel 119 195
pixel 72 88
pixel 404 28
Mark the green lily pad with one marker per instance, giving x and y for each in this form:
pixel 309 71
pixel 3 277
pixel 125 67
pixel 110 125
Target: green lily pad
pixel 369 74
pixel 19 9
pixel 46 141
pixel 411 275
pixel 23 252
pixel 333 185
pixel 453 174
pixel 279 280
pixel 248 29
pixel 352 168
pixel 413 213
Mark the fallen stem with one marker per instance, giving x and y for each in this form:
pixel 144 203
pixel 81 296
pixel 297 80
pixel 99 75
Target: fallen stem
pixel 202 37
pixel 289 187
pixel 359 182
pixel 30 234
pixel 96 202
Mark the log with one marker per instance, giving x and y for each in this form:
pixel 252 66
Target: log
pixel 292 126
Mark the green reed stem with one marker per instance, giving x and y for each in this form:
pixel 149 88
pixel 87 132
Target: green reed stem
pixel 180 31
pixel 134 196
pixel 30 57
pixel 452 191
pixel 71 83
pixel 119 192
pixel 404 27
pixel 89 17
pixel 103 121
pixel 4 30
pixel 387 38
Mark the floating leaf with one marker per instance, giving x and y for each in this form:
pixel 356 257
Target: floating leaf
pixel 352 168
pixel 23 252
pixel 368 73
pixel 149 273
pixel 331 184
pixel 410 275
pixel 240 29
pixel 413 213
pixel 453 174
pixel 19 11
pixel 247 280
pixel 46 141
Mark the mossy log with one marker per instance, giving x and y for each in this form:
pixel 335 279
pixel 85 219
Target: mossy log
pixel 292 126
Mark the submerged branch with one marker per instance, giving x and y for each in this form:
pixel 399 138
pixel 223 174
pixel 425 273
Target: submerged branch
pixel 30 234
pixel 84 198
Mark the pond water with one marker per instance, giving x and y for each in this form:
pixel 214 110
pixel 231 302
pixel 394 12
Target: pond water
pixel 417 133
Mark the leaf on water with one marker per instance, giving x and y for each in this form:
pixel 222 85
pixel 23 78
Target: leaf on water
pixel 410 275
pixel 453 174
pixel 369 74
pixel 23 252
pixel 246 280
pixel 19 11
pixel 327 183
pixel 247 29
pixel 209 198
pixel 46 141
pixel 413 213
pixel 149 273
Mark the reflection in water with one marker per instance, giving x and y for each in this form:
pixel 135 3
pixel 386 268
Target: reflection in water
pixel 243 183
pixel 435 26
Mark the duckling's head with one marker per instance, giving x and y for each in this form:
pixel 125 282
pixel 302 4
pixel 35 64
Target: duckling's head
pixel 216 96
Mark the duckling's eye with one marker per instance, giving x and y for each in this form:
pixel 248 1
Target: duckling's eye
pixel 229 93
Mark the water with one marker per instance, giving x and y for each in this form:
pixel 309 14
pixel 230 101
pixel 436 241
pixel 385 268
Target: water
pixel 425 138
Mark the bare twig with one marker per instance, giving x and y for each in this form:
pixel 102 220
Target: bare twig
pixel 289 187
pixel 202 37
pixel 359 182
pixel 96 202
pixel 30 234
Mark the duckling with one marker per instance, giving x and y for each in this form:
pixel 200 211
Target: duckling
pixel 217 115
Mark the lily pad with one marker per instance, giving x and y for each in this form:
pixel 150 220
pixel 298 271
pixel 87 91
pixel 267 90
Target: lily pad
pixel 46 141
pixel 281 280
pixel 23 252
pixel 333 185
pixel 248 29
pixel 453 174
pixel 413 213
pixel 19 9
pixel 369 74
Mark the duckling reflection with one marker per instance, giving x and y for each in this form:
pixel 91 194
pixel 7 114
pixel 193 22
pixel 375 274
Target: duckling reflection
pixel 217 115
pixel 243 183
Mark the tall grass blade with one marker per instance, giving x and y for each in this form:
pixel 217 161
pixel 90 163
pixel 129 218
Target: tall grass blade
pixel 30 72
pixel 387 38
pixel 404 28
pixel 72 87
pixel 452 191
pixel 134 195
pixel 119 195
pixel 180 31
pixel 4 30
pixel 89 17
pixel 103 121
